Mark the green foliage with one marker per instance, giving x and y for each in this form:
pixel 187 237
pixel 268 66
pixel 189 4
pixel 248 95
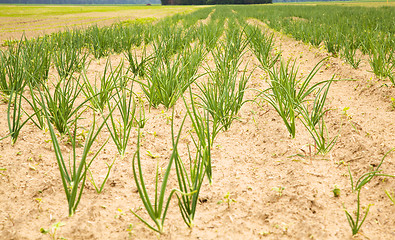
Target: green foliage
pixel 37 56
pixel 343 32
pixel 156 211
pixel 12 73
pixel 73 173
pixel 208 34
pixel 168 79
pixel 199 164
pixel 382 60
pixel 99 94
pixel 262 45
pixel 120 129
pixel 313 119
pixel 356 223
pixel 286 93
pixel 68 60
pixel 14 115
pixel 12 84
pixel 61 104
pixel 100 41
pixel 136 66
pixel 222 96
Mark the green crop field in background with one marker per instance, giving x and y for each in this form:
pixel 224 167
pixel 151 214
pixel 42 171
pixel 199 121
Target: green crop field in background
pixel 366 3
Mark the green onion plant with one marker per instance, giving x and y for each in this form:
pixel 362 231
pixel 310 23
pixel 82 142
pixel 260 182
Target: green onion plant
pixel 13 83
pixel 14 115
pixel 13 70
pixel 286 92
pixel 99 94
pixel 356 223
pixel 199 164
pixel 99 188
pixel 223 94
pixel 69 60
pixel 136 66
pixel 34 100
pixel 37 56
pixel 349 53
pixel 157 209
pixel 382 61
pixel 74 171
pixel 120 129
pixel 61 104
pixel 313 119
pixel 262 45
pixel 168 79
pixel 100 41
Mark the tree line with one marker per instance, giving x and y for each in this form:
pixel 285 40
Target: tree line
pixel 212 2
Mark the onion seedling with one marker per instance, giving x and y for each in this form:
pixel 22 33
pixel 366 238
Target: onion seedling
pixel 99 189
pixel 74 173
pixel 314 122
pixel 100 95
pixel 37 56
pixel 209 34
pixel 201 126
pixel 223 94
pixel 68 60
pixel 100 41
pixel 61 104
pixel 199 165
pixel 286 93
pixel 157 210
pixel 349 53
pixel 120 129
pixel 382 61
pixel 35 104
pixel 167 80
pixel 13 82
pixel 13 70
pixel 356 223
pixel 14 115
pixel 135 66
pixel 262 45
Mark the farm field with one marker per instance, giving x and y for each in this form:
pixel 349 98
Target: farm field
pixel 258 125
pixel 36 20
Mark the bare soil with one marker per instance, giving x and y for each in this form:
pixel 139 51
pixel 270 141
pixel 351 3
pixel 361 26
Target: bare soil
pixel 252 161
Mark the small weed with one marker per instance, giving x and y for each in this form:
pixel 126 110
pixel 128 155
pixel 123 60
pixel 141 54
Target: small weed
pixel 279 190
pixel 227 199
pixel 129 229
pixel 119 213
pixel 345 113
pixel 52 230
pixel 336 191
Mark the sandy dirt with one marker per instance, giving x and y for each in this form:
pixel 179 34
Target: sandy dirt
pixel 252 161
